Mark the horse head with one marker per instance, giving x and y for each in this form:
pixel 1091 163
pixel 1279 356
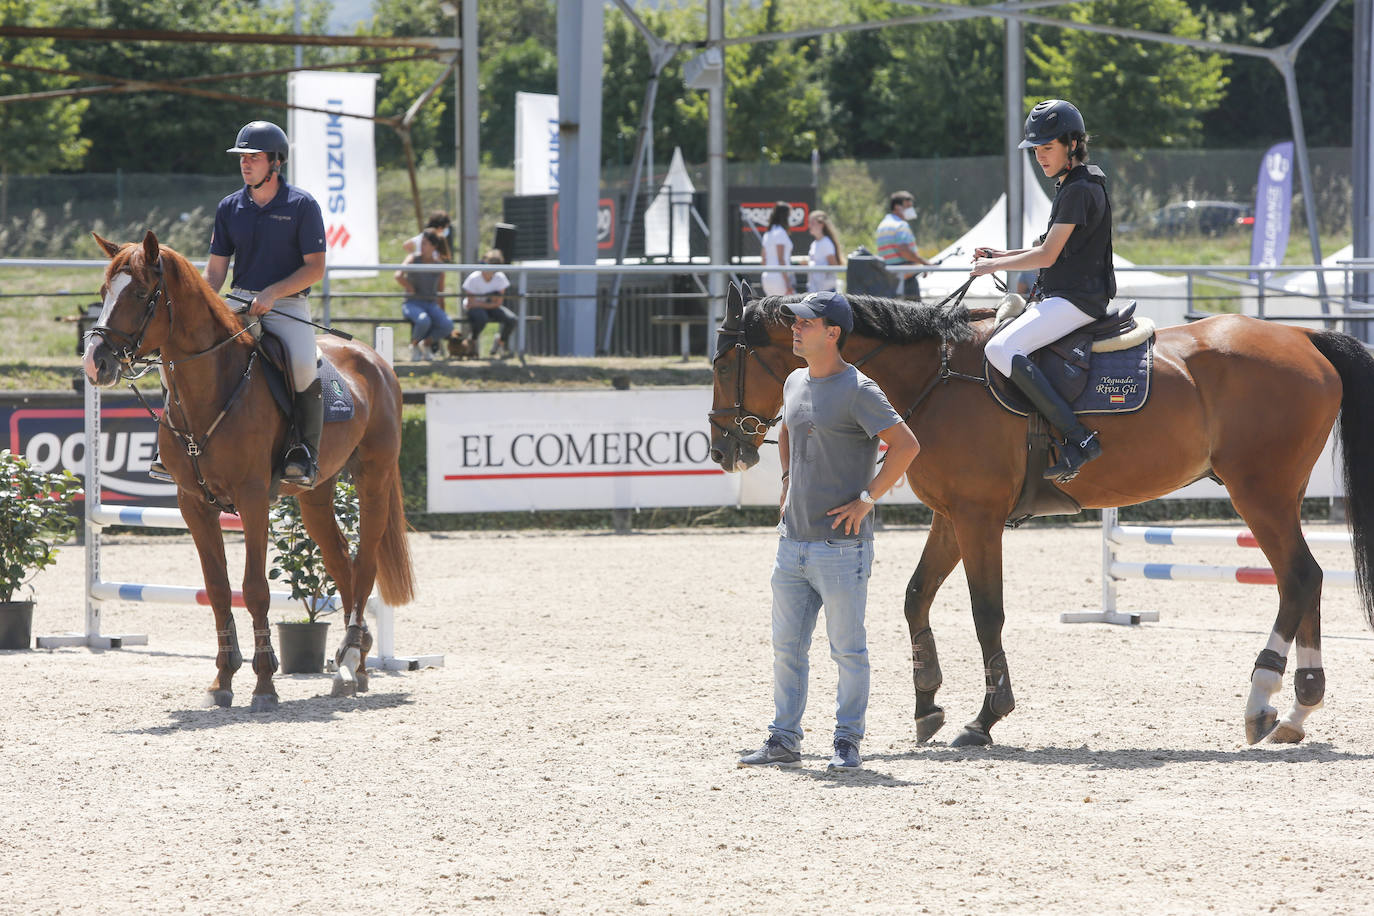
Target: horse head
pixel 131 324
pixel 742 400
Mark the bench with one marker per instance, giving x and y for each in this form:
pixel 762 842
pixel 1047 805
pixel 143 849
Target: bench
pixel 684 322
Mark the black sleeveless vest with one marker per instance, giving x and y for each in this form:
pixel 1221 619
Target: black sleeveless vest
pixel 1083 273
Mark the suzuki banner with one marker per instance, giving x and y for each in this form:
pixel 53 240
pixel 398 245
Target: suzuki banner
pixel 334 159
pixel 536 143
pixel 517 452
pixel 1273 200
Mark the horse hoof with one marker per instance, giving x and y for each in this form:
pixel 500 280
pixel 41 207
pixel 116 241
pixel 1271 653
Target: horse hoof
pixel 1286 733
pixel 264 702
pixel 973 735
pixel 345 683
pixel 222 698
pixel 929 724
pixel 1257 728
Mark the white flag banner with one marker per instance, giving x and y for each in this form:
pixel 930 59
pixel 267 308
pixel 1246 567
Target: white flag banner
pixel 536 143
pixel 335 160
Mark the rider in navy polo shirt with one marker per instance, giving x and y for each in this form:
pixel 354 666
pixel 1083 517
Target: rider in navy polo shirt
pixel 275 234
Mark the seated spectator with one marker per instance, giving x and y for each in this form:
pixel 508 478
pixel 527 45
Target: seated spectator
pixel 486 290
pixel 440 223
pixel 430 326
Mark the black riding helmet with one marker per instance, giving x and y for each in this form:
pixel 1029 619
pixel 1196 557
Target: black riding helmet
pixel 1050 120
pixel 262 137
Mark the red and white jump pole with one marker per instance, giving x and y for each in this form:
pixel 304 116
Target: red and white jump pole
pixel 1113 569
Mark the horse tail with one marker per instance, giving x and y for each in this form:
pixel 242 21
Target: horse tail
pixel 395 573
pixel 1356 368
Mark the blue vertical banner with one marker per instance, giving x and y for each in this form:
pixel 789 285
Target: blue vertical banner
pixel 1273 200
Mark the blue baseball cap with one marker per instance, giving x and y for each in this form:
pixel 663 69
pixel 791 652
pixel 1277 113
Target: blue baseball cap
pixel 826 304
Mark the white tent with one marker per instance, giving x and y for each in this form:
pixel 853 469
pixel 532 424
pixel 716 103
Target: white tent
pixel 668 219
pixel 1160 298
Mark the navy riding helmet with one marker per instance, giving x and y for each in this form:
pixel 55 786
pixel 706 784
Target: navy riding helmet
pixel 1050 120
pixel 261 137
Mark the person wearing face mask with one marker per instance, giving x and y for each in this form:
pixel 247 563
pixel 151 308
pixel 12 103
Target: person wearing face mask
pixel 1076 279
pixel 441 224
pixel 897 243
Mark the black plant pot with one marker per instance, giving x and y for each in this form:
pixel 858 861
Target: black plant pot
pixel 16 624
pixel 302 646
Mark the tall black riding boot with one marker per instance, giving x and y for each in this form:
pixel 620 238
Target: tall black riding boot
pixel 1080 444
pixel 301 466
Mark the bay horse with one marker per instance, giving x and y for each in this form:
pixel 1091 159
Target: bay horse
pixel 219 435
pixel 1247 402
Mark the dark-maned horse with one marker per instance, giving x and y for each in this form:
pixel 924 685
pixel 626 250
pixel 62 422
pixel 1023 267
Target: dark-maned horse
pixel 220 434
pixel 1247 402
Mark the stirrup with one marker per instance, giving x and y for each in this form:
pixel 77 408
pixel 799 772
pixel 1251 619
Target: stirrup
pixel 158 471
pixel 297 470
pixel 1072 457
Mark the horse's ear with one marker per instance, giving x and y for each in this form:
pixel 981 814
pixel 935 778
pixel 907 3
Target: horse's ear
pixel 107 246
pixel 734 307
pixel 151 252
pixel 746 291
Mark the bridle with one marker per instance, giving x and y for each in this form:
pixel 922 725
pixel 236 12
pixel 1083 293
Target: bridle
pixel 125 347
pixel 744 426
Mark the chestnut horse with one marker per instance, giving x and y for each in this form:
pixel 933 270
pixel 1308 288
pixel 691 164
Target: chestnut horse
pixel 220 434
pixel 1235 398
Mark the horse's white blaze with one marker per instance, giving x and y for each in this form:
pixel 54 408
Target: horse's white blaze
pixel 117 285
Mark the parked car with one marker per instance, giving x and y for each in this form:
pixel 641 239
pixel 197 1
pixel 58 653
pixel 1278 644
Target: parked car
pixel 1195 217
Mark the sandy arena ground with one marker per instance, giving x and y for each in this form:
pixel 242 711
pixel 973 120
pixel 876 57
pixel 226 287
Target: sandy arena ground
pixel 577 751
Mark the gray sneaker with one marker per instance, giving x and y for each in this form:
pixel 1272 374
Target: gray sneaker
pixel 773 754
pixel 846 757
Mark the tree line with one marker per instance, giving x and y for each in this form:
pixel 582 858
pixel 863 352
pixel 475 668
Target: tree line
pixel 912 91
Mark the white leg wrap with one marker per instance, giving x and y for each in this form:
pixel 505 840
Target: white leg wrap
pixel 1263 685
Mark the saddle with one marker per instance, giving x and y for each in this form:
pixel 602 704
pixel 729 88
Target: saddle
pixel 276 366
pixel 1103 367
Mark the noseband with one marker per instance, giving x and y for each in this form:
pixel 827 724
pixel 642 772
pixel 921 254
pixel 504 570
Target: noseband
pixel 746 425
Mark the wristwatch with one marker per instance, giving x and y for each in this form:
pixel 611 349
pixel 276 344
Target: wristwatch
pixel 867 497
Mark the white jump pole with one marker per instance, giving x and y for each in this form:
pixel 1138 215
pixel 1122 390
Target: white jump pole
pixel 1109 612
pixel 1114 569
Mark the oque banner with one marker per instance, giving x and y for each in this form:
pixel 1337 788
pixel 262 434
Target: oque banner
pixel 1273 201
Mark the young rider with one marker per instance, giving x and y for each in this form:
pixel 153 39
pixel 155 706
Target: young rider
pixel 1076 280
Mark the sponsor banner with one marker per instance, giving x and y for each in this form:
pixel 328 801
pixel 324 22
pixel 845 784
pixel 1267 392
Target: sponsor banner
pixel 54 438
pixel 333 158
pixel 605 225
pixel 536 143
pixel 516 451
pixel 1273 202
pixel 753 208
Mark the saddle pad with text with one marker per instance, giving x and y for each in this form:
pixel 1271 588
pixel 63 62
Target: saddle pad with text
pixel 338 399
pixel 1118 382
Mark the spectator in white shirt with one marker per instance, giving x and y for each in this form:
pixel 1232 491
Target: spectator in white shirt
pixel 825 251
pixel 486 291
pixel 777 252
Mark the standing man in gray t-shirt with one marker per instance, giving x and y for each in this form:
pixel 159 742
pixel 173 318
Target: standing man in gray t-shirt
pixel 833 417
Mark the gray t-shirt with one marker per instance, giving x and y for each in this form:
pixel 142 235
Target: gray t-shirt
pixel 832 428
pixel 425 283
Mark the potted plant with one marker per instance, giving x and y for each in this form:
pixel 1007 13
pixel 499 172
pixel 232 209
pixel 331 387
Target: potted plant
pixel 300 563
pixel 35 516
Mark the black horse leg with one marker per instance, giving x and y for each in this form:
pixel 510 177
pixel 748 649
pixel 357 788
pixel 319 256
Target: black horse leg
pixel 980 542
pixel 939 558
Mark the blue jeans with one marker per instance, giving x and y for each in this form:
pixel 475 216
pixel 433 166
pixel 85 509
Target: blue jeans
pixel 428 320
pixel 806 575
